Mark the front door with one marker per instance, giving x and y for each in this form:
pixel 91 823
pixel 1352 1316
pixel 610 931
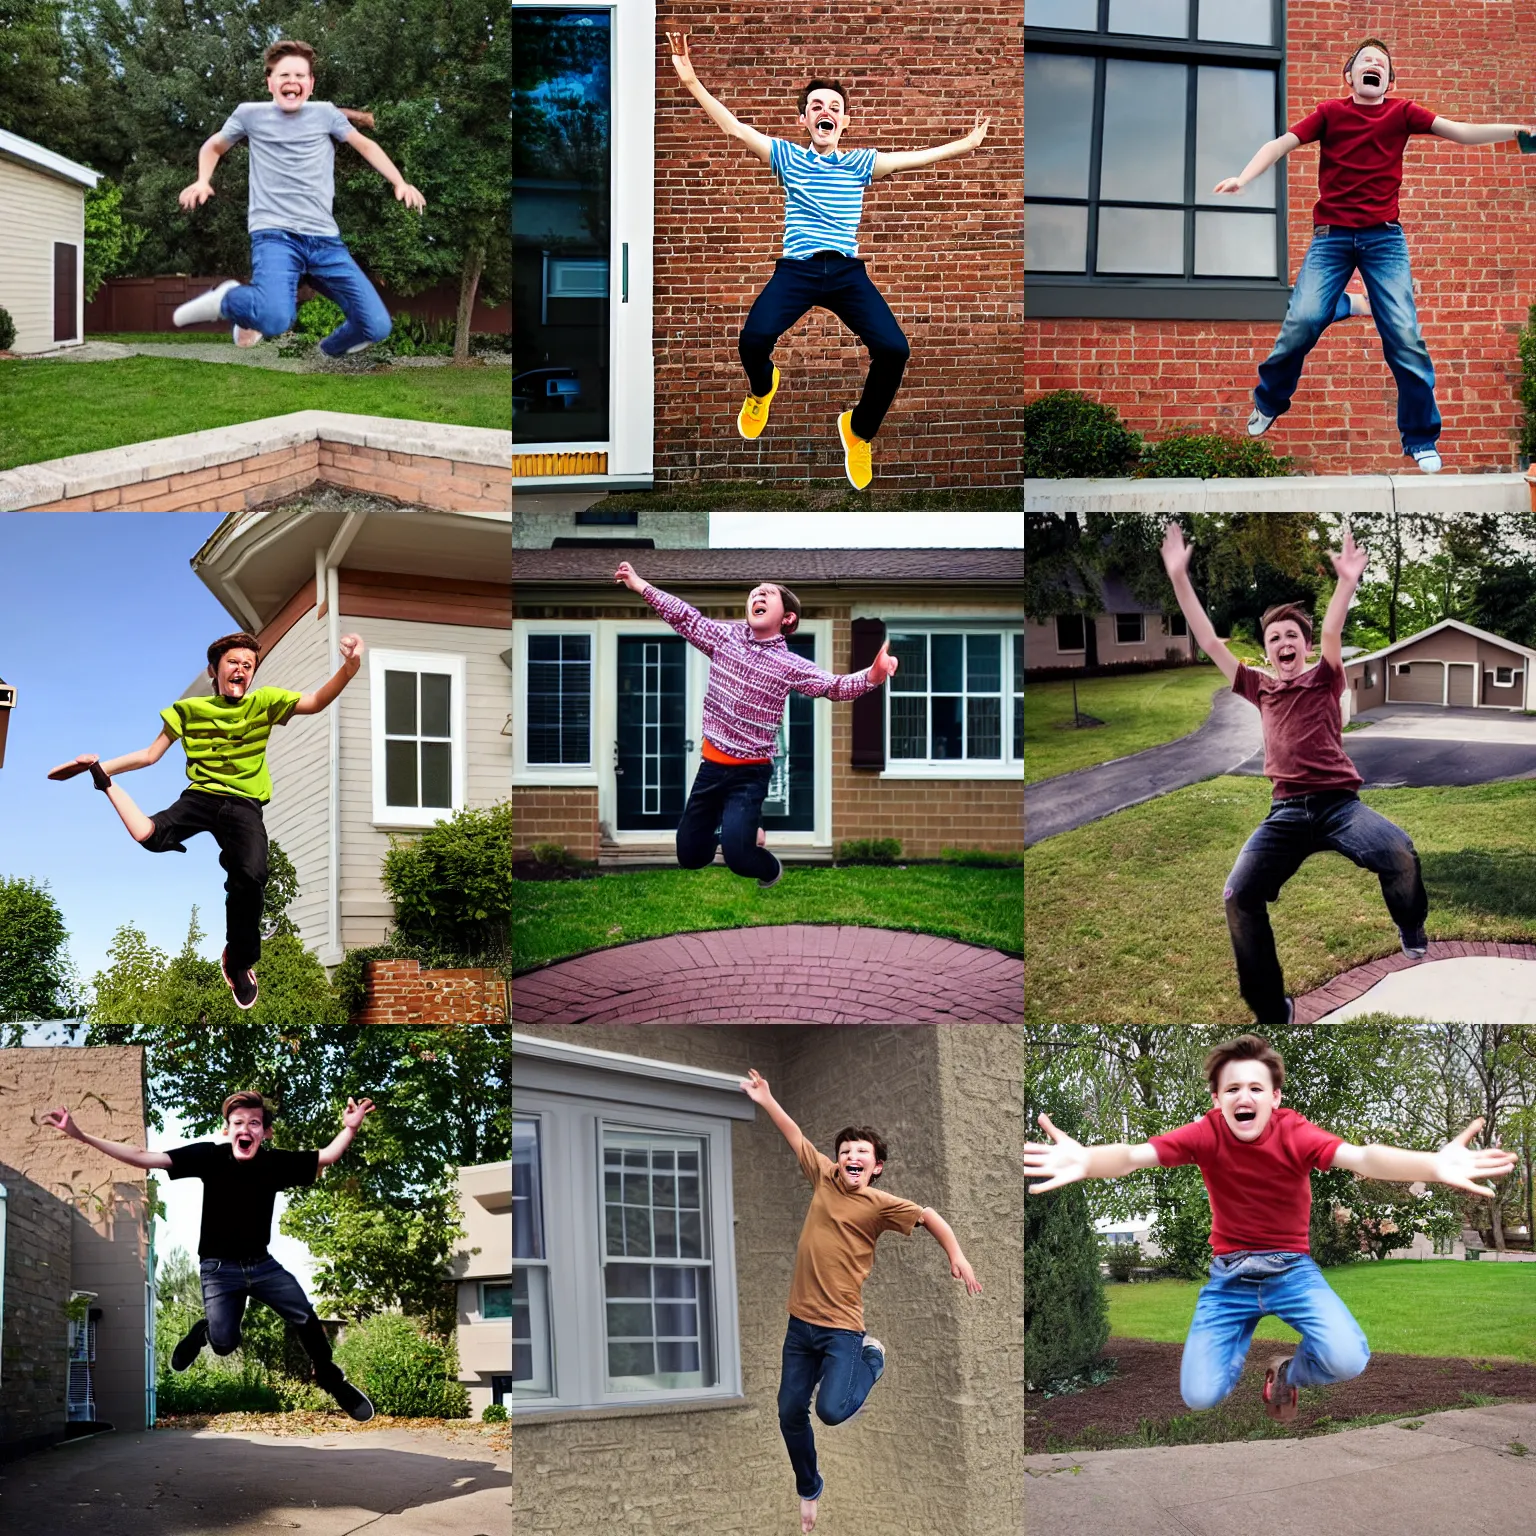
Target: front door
pixel 791 802
pixel 650 753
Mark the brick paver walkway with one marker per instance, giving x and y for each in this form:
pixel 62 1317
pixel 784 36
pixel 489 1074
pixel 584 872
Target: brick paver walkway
pixel 1348 985
pixel 798 974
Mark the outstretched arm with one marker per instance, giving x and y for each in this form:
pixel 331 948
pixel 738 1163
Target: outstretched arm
pixel 1176 557
pixel 913 159
pixel 720 115
pixel 141 759
pixel 137 1157
pixel 375 156
pixel 1477 133
pixel 1455 1163
pixel 755 1086
pixel 1269 154
pixel 944 1235
pixel 326 693
pixel 1349 563
pixel 1068 1160
pixel 351 1119
pixel 208 157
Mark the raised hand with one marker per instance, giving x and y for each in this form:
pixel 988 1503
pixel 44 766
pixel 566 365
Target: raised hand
pixel 755 1086
pixel 1458 1165
pixel 629 577
pixel 1350 561
pixel 979 132
pixel 352 1115
pixel 1176 553
pixel 59 1119
pixel 678 43
pixel 1064 1163
pixel 883 666
pixel 960 1268
pixel 351 647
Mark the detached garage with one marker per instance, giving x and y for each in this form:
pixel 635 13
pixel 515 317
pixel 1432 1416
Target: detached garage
pixel 1451 664
pixel 42 247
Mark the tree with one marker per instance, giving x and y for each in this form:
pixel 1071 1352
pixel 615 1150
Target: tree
pixel 37 980
pixel 1386 1216
pixel 110 244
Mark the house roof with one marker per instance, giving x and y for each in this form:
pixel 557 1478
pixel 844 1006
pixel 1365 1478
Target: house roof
pixel 1000 567
pixel 1466 629
pixel 1113 594
pixel 14 147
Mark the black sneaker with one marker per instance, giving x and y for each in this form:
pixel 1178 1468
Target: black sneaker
pixel 765 885
pixel 99 778
pixel 353 1400
pixel 191 1346
pixel 1415 944
pixel 243 986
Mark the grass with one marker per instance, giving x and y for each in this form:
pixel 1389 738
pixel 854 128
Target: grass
pixel 1125 919
pixel 55 409
pixel 554 919
pixel 1465 1311
pixel 815 496
pixel 1139 710
pixel 135 338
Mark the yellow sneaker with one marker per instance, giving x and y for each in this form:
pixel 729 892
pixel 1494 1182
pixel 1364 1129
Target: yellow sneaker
pixel 855 453
pixel 753 415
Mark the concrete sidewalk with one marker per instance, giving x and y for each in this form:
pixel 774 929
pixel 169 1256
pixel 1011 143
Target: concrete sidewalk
pixel 1455 1472
pixel 1470 990
pixel 393 1482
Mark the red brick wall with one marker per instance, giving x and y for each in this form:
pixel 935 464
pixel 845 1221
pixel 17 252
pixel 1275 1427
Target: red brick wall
pixel 1467 213
pixel 942 242
pixel 564 816
pixel 400 992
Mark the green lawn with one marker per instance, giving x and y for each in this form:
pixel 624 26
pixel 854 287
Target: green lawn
pixel 55 409
pixel 555 918
pixel 1469 1311
pixel 1125 919
pixel 134 338
pixel 1139 710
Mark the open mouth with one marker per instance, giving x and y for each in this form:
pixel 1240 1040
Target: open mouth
pixel 244 1143
pixel 853 1170
pixel 1371 77
pixel 759 609
pixel 1245 1116
pixel 1286 656
pixel 825 124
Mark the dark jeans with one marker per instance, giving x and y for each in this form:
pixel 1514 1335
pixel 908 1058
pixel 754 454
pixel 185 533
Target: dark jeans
pixel 730 799
pixel 1381 255
pixel 841 284
pixel 236 824
pixel 227 1283
pixel 279 259
pixel 834 1357
pixel 1296 828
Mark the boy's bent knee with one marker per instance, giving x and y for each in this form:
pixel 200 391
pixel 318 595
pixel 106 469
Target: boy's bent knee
pixel 222 1344
pixel 826 1415
pixel 1201 1398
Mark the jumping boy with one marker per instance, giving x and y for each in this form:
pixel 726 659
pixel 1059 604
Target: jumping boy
pixel 240 1184
pixel 821 265
pixel 825 1342
pixel 751 672
pixel 1355 226
pixel 1254 1157
pixel 1315 806
pixel 225 736
pixel 293 236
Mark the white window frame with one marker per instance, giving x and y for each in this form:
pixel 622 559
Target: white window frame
pixel 1170 619
pixel 382 661
pixel 1141 628
pixel 556 775
pixel 480 1297
pixel 531 630
pixel 1497 683
pixel 1085 620
pixel 540 1309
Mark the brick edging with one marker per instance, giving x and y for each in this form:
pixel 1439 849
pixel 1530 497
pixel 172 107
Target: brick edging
pixel 1357 981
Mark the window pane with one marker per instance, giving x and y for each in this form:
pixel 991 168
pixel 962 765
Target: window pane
pixel 1069 632
pixel 1233 108
pixel 1058 124
pixel 1128 629
pixel 435 690
pixel 662 1338
pixel 1234 244
pixel 543 647
pixel 1141 240
pixel 1055 238
pixel 690 1237
pixel 629 1320
pixel 527 1191
pixel 1018 663
pixel 1237 21
pixel 1150 18
pixel 637 1233
pixel 1144 113
pixel 983 663
pixel 676 1321
pixel 1018 726
pixel 677 1283
pixel 664 1225
pixel 983 725
pixel 631 1359
pixel 627 1280
pixel 399 703
pixel 677 1357
pixel 1079 15
pixel 912 652
pixel 528 1302
pixel 909 726
pixel 400 773
pixel 946 728
pixel 948 663
pixel 437 774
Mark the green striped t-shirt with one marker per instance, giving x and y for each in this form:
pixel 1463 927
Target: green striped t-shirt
pixel 226 743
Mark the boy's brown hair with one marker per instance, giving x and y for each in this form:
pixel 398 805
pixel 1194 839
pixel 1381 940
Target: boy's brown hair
pixel 239 641
pixel 791 619
pixel 824 85
pixel 1282 611
pixel 860 1133
pixel 248 1098
pixel 1372 42
pixel 280 51
pixel 1245 1048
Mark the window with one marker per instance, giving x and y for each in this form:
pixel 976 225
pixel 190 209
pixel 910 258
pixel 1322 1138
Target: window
pixel 946 698
pixel 417 702
pixel 1130 628
pixel 1134 110
pixel 495 1300
pixel 530 1268
pixel 1503 677
pixel 1069 632
pixel 1018 698
pixel 501 1388
pixel 1403 669
pixel 560 699
pixel 1178 625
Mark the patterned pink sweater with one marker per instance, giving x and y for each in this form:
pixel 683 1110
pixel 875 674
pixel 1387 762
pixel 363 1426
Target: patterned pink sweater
pixel 749 679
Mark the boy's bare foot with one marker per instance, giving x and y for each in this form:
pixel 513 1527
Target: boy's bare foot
pixel 762 838
pixel 1280 1398
pixel 807 1515
pixel 245 338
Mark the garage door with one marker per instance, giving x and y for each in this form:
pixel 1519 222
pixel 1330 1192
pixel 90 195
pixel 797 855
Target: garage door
pixel 1463 684
pixel 1417 682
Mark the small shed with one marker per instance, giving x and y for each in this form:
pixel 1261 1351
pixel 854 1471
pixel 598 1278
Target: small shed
pixel 1451 664
pixel 42 257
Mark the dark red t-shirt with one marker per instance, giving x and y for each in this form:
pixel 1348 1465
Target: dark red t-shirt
pixel 1303 731
pixel 1360 167
pixel 1261 1197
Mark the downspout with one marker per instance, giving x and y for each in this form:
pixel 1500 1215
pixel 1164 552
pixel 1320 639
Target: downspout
pixel 327 564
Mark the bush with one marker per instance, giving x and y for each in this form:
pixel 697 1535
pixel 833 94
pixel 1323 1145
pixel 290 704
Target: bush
pixel 1069 436
pixel 550 853
pixel 406 1375
pixel 1527 345
pixel 1331 1242
pixel 982 858
pixel 7 331
pixel 1122 1258
pixel 494 1413
pixel 867 850
pixel 452 886
pixel 1210 456
pixel 318 317
pixel 1182 1229
pixel 204 1389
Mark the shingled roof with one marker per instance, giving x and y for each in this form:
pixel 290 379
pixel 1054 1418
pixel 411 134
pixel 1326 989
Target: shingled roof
pixel 999 567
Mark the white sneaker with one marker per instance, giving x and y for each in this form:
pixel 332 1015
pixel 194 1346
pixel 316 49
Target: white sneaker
pixel 1427 460
pixel 1259 423
pixel 204 307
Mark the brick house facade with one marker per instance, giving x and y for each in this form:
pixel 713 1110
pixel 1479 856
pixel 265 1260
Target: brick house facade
pixel 1186 354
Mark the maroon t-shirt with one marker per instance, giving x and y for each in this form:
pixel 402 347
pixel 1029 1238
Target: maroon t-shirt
pixel 1360 167
pixel 1261 1197
pixel 1303 732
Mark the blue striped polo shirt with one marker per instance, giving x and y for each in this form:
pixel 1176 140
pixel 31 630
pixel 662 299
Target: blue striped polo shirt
pixel 823 197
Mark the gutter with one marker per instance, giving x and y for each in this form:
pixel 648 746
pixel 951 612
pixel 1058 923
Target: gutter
pixel 1338 494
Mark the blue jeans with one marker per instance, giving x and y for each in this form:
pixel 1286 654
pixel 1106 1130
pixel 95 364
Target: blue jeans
pixel 841 284
pixel 1380 253
pixel 836 1358
pixel 1331 821
pixel 269 302
pixel 730 799
pixel 1245 1287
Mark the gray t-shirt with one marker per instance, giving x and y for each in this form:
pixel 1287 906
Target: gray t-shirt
pixel 293 160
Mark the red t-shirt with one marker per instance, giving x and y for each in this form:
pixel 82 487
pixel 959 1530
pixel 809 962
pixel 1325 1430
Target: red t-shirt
pixel 1303 732
pixel 1261 1197
pixel 1360 167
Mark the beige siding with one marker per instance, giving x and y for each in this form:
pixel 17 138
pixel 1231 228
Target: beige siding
pixel 39 210
pixel 1155 645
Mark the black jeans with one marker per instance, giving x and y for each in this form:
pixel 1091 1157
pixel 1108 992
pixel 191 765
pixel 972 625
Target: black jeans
pixel 841 284
pixel 237 827
pixel 731 799
pixel 227 1283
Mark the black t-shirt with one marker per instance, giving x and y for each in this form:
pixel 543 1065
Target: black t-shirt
pixel 238 1198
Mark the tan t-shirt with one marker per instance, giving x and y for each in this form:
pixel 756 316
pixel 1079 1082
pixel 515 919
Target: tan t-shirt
pixel 837 1243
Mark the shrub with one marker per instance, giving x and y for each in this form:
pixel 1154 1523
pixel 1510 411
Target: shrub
pixel 1330 1241
pixel 318 317
pixel 405 1374
pixel 494 1413
pixel 7 331
pixel 1122 1258
pixel 869 850
pixel 452 886
pixel 1067 435
pixel 1210 456
pixel 204 1389
pixel 1527 381
pixel 1183 1225
pixel 982 858
pixel 550 853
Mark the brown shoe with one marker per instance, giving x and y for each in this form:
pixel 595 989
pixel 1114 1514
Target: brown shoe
pixel 1280 1397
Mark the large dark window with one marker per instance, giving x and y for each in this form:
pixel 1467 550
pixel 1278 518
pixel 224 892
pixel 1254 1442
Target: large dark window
pixel 1134 110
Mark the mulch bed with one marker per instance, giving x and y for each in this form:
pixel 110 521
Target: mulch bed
pixel 1146 1386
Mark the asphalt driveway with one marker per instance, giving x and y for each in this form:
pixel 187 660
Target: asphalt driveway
pixel 392 1482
